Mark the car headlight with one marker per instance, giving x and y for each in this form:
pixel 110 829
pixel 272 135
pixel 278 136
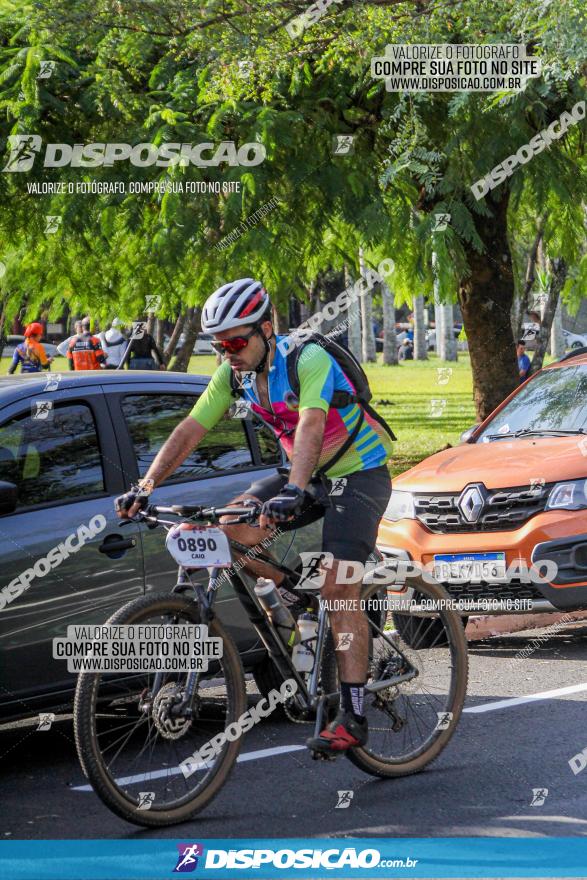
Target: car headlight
pixel 400 506
pixel 570 495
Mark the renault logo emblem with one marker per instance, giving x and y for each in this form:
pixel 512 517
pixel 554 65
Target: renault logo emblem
pixel 471 501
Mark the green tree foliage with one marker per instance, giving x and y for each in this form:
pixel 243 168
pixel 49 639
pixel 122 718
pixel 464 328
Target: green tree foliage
pixel 139 71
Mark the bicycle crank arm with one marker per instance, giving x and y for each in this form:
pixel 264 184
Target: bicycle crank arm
pixel 326 701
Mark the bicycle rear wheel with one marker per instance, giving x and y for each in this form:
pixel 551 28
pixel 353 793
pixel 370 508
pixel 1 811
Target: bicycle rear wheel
pixel 410 723
pixel 131 747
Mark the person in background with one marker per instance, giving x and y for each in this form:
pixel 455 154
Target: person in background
pixel 114 344
pixel 30 354
pixel 84 351
pixel 410 330
pixel 523 361
pixel 142 349
pixel 63 346
pixel 406 350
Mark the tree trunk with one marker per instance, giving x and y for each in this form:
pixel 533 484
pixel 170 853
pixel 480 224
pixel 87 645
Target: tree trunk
pixel 520 305
pixel 2 328
pixel 558 276
pixel 437 310
pixel 368 336
pixel 191 329
pixel 176 333
pixel 354 318
pixel 557 340
pixel 159 333
pixel 280 321
pixel 437 323
pixel 486 298
pixel 449 344
pixel 420 345
pixel 389 335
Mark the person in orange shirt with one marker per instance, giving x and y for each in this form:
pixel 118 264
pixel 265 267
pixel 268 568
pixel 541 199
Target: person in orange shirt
pixel 85 351
pixel 30 354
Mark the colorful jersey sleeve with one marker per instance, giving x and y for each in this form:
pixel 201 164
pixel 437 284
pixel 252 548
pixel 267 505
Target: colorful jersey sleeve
pixel 316 375
pixel 215 400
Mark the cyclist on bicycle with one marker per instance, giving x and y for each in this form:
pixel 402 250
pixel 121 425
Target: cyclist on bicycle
pixel 239 316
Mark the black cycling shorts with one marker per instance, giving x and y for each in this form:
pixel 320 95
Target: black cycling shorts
pixel 352 508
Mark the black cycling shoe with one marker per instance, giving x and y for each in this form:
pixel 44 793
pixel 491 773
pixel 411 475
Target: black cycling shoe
pixel 344 732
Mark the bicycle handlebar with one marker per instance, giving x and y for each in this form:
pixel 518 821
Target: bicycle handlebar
pixel 244 514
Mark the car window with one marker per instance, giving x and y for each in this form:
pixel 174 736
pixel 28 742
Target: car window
pixel 52 454
pixel 553 400
pixel 152 417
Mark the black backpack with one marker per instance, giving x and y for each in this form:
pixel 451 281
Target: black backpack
pixel 340 399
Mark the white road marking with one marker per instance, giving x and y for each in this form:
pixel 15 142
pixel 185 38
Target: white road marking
pixel 530 698
pixel 175 771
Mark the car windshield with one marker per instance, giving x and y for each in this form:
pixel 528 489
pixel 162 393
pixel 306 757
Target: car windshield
pixel 556 400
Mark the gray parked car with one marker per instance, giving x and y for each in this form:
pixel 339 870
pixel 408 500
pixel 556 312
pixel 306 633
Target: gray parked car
pixel 70 451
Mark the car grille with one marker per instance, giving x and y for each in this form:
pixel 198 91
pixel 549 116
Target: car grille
pixel 503 510
pixel 514 589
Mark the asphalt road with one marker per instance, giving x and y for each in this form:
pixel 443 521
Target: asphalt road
pixel 481 785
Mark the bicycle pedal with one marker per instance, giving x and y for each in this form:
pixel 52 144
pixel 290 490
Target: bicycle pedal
pixel 322 756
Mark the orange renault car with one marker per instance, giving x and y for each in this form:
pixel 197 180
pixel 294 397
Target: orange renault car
pixel 501 519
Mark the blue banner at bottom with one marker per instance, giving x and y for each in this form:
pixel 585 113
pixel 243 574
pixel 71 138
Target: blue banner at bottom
pixel 381 858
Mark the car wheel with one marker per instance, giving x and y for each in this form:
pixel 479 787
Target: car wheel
pixel 577 345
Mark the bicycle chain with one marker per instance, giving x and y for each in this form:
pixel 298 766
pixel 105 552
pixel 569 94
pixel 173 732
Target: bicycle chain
pixel 291 717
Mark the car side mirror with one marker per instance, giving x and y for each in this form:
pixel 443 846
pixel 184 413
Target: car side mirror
pixel 8 497
pixel 466 435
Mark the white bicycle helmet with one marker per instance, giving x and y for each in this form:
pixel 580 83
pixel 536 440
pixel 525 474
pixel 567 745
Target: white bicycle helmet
pixel 235 304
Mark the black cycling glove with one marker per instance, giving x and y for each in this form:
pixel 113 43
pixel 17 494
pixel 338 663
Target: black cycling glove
pixel 126 501
pixel 288 503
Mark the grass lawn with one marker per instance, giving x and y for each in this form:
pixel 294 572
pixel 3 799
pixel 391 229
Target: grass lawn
pixel 424 414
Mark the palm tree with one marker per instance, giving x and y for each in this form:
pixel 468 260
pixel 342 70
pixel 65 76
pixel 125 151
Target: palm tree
pixel 557 340
pixel 389 335
pixel 368 336
pixel 420 345
pixel 354 319
pixel 448 343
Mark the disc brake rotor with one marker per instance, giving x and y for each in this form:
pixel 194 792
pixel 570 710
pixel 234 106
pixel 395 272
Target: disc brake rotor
pixel 169 726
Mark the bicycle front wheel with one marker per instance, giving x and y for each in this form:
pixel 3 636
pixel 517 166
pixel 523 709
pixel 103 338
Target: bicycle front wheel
pixel 132 741
pixel 411 722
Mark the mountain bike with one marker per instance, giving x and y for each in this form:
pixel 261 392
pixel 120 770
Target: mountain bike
pixel 134 731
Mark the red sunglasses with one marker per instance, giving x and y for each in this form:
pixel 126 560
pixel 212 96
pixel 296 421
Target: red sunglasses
pixel 234 344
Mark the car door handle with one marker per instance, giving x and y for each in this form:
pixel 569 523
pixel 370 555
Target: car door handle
pixel 114 544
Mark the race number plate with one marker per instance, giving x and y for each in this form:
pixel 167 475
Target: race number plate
pixel 459 568
pixel 197 547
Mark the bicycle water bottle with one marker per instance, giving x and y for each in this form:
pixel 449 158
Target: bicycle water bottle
pixel 304 652
pixel 268 595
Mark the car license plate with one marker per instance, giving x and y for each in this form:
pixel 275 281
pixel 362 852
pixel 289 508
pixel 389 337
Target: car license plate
pixel 458 568
pixel 197 547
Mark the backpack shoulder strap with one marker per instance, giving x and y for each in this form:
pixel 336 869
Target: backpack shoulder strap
pixel 292 358
pixel 340 399
pixel 375 415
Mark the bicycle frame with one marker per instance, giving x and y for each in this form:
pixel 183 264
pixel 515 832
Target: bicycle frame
pixel 307 696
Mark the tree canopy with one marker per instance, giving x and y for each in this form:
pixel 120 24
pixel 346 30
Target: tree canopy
pixel 228 70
